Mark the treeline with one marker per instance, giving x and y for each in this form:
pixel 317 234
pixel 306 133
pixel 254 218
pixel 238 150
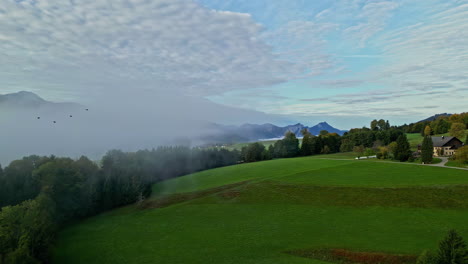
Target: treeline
pixel 289 147
pixel 441 125
pixel 381 139
pixel 41 194
pixel 380 134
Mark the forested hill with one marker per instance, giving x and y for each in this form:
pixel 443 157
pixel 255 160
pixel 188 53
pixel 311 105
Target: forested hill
pixel 439 124
pixel 435 117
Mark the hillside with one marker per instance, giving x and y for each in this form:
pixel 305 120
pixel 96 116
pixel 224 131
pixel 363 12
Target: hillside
pixel 274 211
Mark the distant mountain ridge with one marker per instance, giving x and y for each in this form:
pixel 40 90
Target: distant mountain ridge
pixel 27 100
pixel 255 132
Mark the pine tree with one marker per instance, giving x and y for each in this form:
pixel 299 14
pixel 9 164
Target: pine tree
pixel 307 147
pixel 402 151
pixel 452 250
pixel 291 144
pixel 427 150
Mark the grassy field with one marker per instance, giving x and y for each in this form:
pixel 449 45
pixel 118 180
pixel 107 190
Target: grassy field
pixel 258 212
pixel 452 163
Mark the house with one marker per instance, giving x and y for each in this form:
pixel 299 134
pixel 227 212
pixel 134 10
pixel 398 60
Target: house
pixel 445 146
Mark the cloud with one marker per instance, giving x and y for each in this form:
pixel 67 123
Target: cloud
pixel 372 19
pixel 428 56
pixel 303 43
pixel 176 45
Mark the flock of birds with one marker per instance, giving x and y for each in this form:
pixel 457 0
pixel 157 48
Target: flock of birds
pixel 55 122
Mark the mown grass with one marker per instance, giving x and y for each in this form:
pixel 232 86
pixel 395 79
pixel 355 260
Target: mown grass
pixel 318 171
pixel 286 205
pixel 453 163
pixel 274 192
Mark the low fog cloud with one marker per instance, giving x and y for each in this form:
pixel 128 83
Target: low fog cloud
pixel 143 68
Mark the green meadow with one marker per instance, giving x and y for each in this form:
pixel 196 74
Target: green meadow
pixel 258 212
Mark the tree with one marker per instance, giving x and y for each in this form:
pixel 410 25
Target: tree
pixel 427 150
pixel 402 151
pixel 346 145
pixel 307 147
pixel 373 125
pixel 359 150
pixel 323 132
pixel 326 149
pixel 382 152
pixel 254 152
pixel 382 124
pixel 457 130
pixel 461 156
pixel 392 148
pixel 291 144
pixel 427 257
pixel 452 249
pixel 427 131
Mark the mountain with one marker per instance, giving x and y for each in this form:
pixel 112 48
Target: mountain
pixel 255 132
pixel 315 130
pixel 30 101
pixel 434 117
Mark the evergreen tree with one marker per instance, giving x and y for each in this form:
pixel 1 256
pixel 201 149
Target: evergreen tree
pixel 427 150
pixel 291 144
pixel 307 147
pixel 452 250
pixel 402 150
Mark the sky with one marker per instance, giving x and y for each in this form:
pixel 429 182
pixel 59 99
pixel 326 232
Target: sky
pixel 281 61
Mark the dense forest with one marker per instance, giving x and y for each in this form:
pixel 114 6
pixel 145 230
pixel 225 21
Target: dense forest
pixel 38 195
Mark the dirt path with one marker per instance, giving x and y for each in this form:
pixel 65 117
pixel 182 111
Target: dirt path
pixel 442 163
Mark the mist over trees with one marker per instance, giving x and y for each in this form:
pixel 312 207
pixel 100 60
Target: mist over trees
pixel 60 190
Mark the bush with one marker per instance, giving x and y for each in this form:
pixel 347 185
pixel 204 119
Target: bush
pixel 427 258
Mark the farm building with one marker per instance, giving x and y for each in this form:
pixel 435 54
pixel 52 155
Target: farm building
pixel 446 146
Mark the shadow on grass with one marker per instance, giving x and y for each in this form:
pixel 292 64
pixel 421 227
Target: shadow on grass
pixel 172 199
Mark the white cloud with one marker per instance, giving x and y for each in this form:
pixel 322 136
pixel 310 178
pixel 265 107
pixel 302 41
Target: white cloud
pixel 372 19
pixel 174 45
pixel 428 56
pixel 303 43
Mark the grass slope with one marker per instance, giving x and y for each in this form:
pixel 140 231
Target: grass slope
pixel 278 206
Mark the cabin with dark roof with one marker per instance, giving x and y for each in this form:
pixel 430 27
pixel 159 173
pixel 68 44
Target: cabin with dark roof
pixel 446 146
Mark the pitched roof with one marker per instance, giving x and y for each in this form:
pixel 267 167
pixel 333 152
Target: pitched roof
pixel 441 141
